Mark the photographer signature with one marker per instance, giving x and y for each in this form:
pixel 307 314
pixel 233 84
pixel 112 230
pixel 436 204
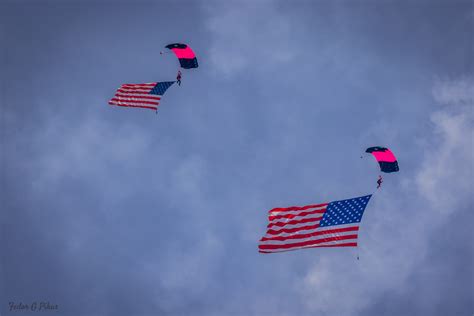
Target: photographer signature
pixel 33 306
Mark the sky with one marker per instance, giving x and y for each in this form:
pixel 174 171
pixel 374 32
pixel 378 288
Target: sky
pixel 118 211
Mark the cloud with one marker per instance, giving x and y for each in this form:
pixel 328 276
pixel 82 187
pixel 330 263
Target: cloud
pixel 455 92
pixel 401 243
pixel 88 150
pixel 446 177
pixel 127 213
pixel 248 34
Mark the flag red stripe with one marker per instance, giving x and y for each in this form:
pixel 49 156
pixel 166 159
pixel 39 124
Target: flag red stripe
pixel 296 214
pixel 136 88
pixel 306 243
pixel 130 90
pixel 134 92
pixel 348 244
pixel 304 220
pixel 291 230
pixel 318 233
pixel 296 208
pixel 139 84
pixel 135 106
pixel 136 102
pixel 129 95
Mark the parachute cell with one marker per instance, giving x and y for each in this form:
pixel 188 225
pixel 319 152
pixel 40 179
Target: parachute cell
pixel 386 159
pixel 186 56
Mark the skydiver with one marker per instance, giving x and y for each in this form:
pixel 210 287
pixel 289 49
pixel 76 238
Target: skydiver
pixel 379 182
pixel 178 77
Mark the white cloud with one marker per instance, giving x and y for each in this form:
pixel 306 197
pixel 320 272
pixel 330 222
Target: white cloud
pixel 87 150
pixel 186 270
pixel 248 34
pixel 455 92
pixel 446 176
pixel 443 185
pixel 188 179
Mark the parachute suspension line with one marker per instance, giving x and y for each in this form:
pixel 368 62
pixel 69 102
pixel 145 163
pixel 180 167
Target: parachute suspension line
pixel 356 252
pixel 360 225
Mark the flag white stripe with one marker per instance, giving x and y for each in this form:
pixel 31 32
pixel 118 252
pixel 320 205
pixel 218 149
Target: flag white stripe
pixel 338 226
pixel 274 213
pixel 306 231
pixel 154 104
pixel 328 243
pixel 297 218
pixel 140 96
pixel 126 90
pixel 136 99
pixel 148 84
pixel 288 226
pixel 283 234
pixel 306 239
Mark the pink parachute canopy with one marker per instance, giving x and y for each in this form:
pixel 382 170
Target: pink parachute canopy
pixel 385 158
pixel 185 54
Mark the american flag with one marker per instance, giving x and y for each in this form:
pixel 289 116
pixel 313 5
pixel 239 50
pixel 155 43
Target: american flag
pixel 141 95
pixel 334 224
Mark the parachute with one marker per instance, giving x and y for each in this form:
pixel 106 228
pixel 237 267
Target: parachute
pixel 386 159
pixel 149 95
pixel 186 56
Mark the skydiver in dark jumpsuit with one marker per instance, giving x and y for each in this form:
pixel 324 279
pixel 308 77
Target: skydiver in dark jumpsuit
pixel 178 77
pixel 379 182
